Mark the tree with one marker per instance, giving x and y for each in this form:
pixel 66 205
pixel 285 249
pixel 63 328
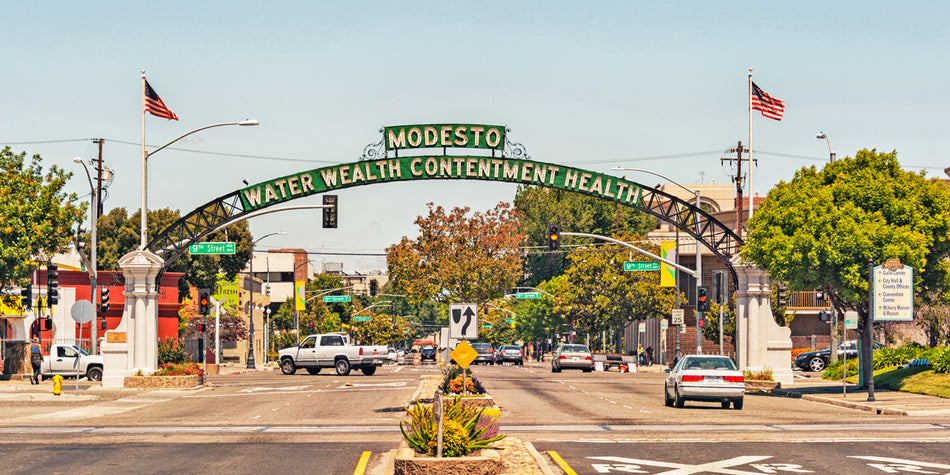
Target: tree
pixel 458 257
pixel 600 295
pixel 538 207
pixel 536 317
pixel 36 217
pixel 819 230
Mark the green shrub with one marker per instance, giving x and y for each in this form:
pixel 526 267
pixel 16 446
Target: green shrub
pixel 463 430
pixel 171 351
pixel 940 359
pixel 834 370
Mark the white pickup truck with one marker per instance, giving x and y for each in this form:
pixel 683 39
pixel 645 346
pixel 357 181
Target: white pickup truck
pixel 70 360
pixel 331 350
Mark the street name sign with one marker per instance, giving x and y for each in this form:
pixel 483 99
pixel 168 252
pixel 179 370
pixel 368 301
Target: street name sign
pixel 528 295
pixel 212 248
pixel 851 320
pixel 463 321
pixel 633 266
pixel 362 319
pixel 336 298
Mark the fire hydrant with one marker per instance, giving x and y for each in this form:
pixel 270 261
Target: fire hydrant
pixel 57 385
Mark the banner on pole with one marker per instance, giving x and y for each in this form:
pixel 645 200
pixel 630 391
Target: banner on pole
pixel 300 291
pixel 667 272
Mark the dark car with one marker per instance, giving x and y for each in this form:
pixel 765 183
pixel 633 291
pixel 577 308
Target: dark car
pixel 486 353
pixel 509 354
pixel 427 353
pixel 818 360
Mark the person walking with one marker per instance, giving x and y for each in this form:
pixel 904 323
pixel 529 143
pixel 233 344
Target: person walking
pixel 649 355
pixel 36 359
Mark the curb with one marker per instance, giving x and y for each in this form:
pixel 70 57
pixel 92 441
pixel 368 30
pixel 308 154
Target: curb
pixel 886 411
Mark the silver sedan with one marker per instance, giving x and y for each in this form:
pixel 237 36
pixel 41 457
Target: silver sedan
pixel 705 378
pixel 572 357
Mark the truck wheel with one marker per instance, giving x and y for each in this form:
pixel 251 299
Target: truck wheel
pixel 369 370
pixel 313 370
pixel 342 367
pixel 94 374
pixel 287 366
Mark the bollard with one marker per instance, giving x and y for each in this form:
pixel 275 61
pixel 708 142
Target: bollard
pixel 57 385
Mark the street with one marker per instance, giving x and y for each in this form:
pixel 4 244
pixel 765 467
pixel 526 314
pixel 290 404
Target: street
pixel 599 422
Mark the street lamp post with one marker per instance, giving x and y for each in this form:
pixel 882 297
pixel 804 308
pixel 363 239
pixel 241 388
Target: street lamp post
pixel 699 261
pixel 146 154
pixel 93 269
pixel 831 153
pixel 250 346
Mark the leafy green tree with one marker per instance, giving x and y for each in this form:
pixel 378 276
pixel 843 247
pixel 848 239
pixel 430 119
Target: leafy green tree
pixel 711 330
pixel 537 319
pixel 380 330
pixel 819 230
pixel 458 257
pixel 601 296
pixel 36 217
pixel 538 207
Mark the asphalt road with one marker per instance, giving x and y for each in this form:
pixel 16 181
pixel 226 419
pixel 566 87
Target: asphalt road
pixel 324 423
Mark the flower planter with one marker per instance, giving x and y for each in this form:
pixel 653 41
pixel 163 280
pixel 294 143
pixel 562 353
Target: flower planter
pixel 766 386
pixel 475 401
pixel 164 382
pixel 408 462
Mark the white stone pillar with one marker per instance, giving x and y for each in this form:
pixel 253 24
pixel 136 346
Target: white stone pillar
pixel 133 345
pixel 760 342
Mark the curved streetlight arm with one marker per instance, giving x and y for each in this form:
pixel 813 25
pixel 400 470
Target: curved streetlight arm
pixel 635 248
pixel 377 304
pixel 502 309
pixel 268 235
pixel 321 294
pixel 199 129
pixel 621 169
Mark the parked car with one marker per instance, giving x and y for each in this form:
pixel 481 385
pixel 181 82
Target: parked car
pixel 572 357
pixel 428 353
pixel 71 360
pixel 705 378
pixel 486 353
pixel 509 354
pixel 818 360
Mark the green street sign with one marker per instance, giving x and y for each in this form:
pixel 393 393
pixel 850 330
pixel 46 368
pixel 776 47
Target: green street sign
pixel 641 266
pixel 362 319
pixel 211 248
pixel 528 295
pixel 336 298
pixel 509 320
pixel 487 325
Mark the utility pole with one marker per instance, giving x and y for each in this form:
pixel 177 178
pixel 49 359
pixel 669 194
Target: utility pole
pixel 94 285
pixel 738 180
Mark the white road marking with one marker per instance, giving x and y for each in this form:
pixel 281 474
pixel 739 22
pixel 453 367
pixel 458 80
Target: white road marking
pixel 906 465
pixel 260 389
pixel 395 384
pixel 721 466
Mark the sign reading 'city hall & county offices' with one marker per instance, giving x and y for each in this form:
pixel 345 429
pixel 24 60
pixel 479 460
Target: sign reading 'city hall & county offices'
pixel 429 167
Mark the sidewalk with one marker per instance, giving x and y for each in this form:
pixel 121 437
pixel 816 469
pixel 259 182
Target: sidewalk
pixel 886 401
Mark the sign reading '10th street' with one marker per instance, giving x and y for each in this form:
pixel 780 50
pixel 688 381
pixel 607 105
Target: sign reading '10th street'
pixel 441 167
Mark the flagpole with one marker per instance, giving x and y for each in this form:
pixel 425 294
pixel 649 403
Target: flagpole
pixel 144 210
pixel 751 162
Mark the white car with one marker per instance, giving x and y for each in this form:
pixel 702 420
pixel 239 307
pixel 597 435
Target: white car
pixel 705 378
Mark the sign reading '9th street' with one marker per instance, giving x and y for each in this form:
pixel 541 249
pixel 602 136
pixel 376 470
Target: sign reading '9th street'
pixel 446 167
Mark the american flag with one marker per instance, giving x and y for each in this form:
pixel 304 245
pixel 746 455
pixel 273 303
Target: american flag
pixel 155 106
pixel 770 106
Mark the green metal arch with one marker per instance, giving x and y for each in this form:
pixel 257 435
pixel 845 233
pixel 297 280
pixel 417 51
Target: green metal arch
pixel 718 238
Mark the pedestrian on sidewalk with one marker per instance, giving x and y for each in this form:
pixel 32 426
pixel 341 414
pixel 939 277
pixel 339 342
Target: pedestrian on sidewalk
pixel 36 360
pixel 649 355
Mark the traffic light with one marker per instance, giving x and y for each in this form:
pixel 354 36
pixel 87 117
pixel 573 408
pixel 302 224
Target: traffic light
pixel 204 301
pixel 330 213
pixel 104 298
pixel 782 295
pixel 719 290
pixel 201 327
pixel 27 296
pixel 554 237
pixel 52 284
pixel 373 287
pixel 702 298
pixel 103 324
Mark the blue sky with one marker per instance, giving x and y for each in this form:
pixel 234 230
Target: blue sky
pixel 658 85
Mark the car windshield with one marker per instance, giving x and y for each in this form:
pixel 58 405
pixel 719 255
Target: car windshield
pixel 509 347
pixel 707 362
pixel 481 346
pixel 574 349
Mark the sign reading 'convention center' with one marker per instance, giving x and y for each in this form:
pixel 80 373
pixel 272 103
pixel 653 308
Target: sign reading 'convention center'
pixel 440 167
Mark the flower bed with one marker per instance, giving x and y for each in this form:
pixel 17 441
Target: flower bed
pixel 765 386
